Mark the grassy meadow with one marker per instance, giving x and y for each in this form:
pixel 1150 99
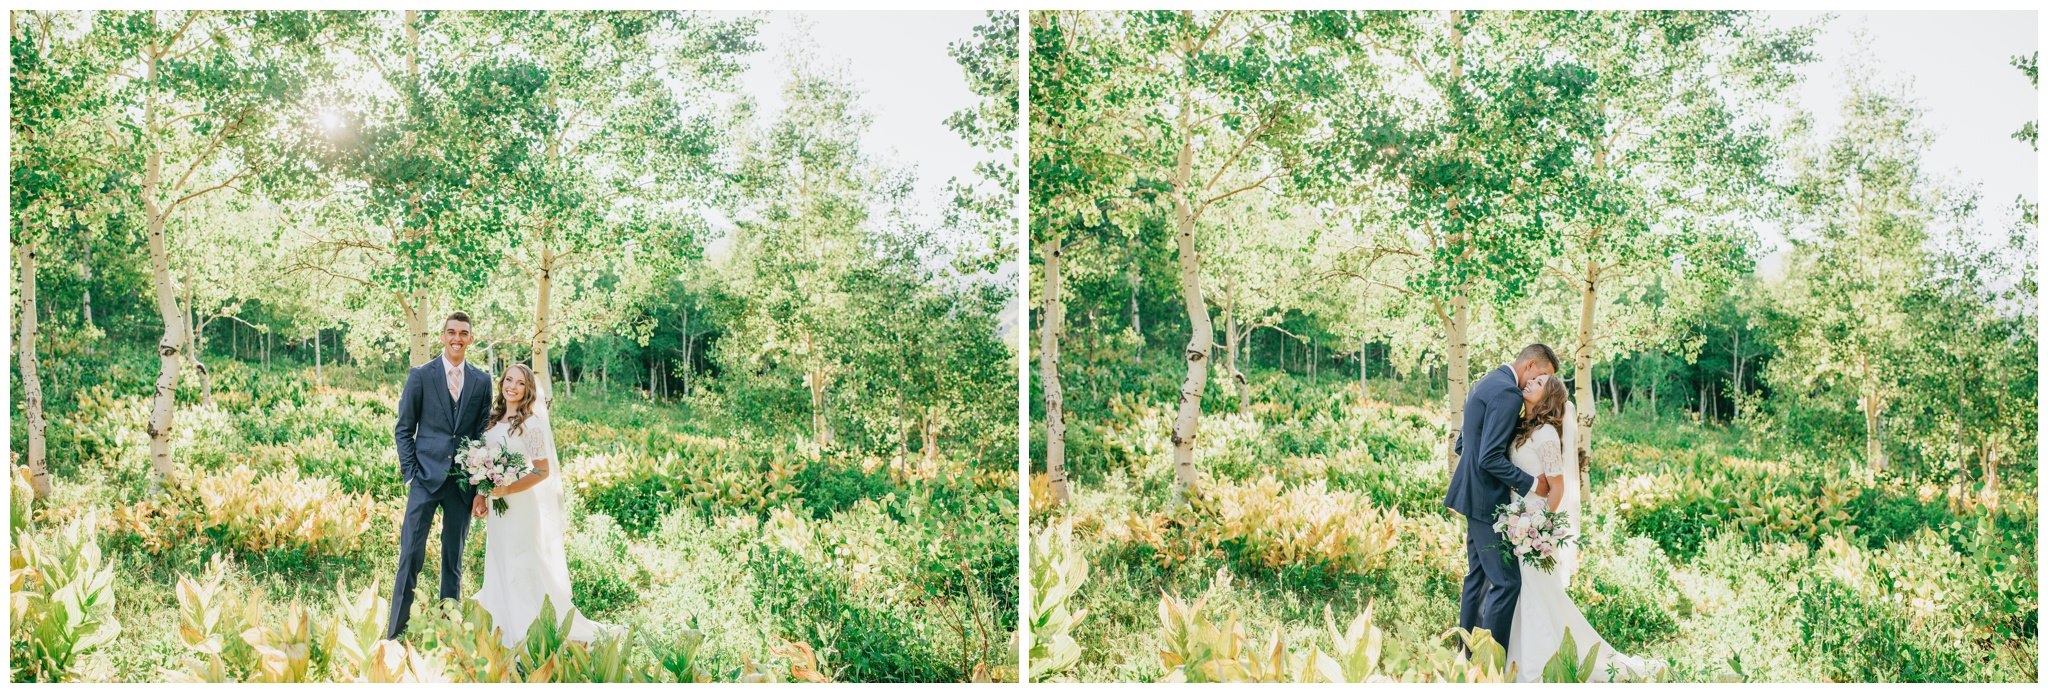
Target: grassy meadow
pixel 1728 558
pixel 730 552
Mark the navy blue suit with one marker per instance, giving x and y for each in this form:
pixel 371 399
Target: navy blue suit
pixel 1484 480
pixel 431 427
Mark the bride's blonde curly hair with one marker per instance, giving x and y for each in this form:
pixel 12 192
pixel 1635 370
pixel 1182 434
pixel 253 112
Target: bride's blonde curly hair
pixel 519 412
pixel 1548 409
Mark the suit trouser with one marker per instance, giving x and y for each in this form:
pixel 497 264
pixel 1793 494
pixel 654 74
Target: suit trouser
pixel 1492 584
pixel 454 503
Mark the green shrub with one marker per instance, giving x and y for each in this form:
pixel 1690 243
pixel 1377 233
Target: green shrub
pixel 1680 526
pixel 834 484
pixel 62 601
pixel 869 641
pixel 602 573
pixel 20 501
pixel 1629 598
pixel 1058 569
pixel 631 489
pixel 293 517
pixel 638 486
pixel 1883 516
pixel 1853 637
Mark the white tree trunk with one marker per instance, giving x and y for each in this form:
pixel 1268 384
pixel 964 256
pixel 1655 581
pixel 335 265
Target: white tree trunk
pixel 543 300
pixel 1132 280
pixel 568 382
pixel 419 336
pixel 1187 423
pixel 1582 380
pixel 1873 418
pixel 88 281
pixel 162 405
pixel 1363 394
pixel 1458 369
pixel 689 365
pixel 31 379
pixel 1990 469
pixel 821 423
pixel 545 283
pixel 928 440
pixel 196 342
pixel 1735 369
pixel 1231 337
pixel 817 407
pixel 319 376
pixel 688 343
pixel 1457 372
pixel 1614 393
pixel 1053 320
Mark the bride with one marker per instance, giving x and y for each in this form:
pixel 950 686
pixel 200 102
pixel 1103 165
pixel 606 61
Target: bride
pixel 523 555
pixel 1544 612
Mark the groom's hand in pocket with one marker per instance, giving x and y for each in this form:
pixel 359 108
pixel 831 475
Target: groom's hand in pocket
pixel 477 506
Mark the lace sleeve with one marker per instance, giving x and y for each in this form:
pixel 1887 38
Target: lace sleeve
pixel 540 439
pixel 1549 451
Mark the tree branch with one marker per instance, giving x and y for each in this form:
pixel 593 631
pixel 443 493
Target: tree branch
pixel 305 266
pixel 223 184
pixel 190 17
pixel 1275 326
pixel 1568 279
pixel 1249 138
pixel 1254 184
pixel 1213 30
pixel 211 146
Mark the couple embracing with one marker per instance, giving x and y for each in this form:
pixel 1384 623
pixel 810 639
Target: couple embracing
pixel 1516 442
pixel 448 403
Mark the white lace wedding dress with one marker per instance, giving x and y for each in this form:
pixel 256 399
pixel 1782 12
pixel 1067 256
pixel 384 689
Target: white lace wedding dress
pixel 524 558
pixel 1545 610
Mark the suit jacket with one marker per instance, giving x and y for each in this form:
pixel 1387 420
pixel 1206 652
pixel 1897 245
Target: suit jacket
pixel 1485 476
pixel 431 426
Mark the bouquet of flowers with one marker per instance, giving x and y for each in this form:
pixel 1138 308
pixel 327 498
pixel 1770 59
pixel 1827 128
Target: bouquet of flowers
pixel 480 467
pixel 1531 532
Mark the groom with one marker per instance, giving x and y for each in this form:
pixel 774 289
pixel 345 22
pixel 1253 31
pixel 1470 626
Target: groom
pixel 1482 483
pixel 444 405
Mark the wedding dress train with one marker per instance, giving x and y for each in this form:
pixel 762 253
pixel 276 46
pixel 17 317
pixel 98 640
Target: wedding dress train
pixel 1545 610
pixel 524 556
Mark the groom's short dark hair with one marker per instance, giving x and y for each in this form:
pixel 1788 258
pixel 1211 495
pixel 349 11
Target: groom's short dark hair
pixel 1538 351
pixel 458 315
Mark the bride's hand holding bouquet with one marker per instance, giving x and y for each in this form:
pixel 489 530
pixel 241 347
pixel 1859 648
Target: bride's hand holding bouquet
pixel 482 468
pixel 1531 532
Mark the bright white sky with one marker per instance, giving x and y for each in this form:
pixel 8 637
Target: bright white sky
pixel 909 83
pixel 1958 64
